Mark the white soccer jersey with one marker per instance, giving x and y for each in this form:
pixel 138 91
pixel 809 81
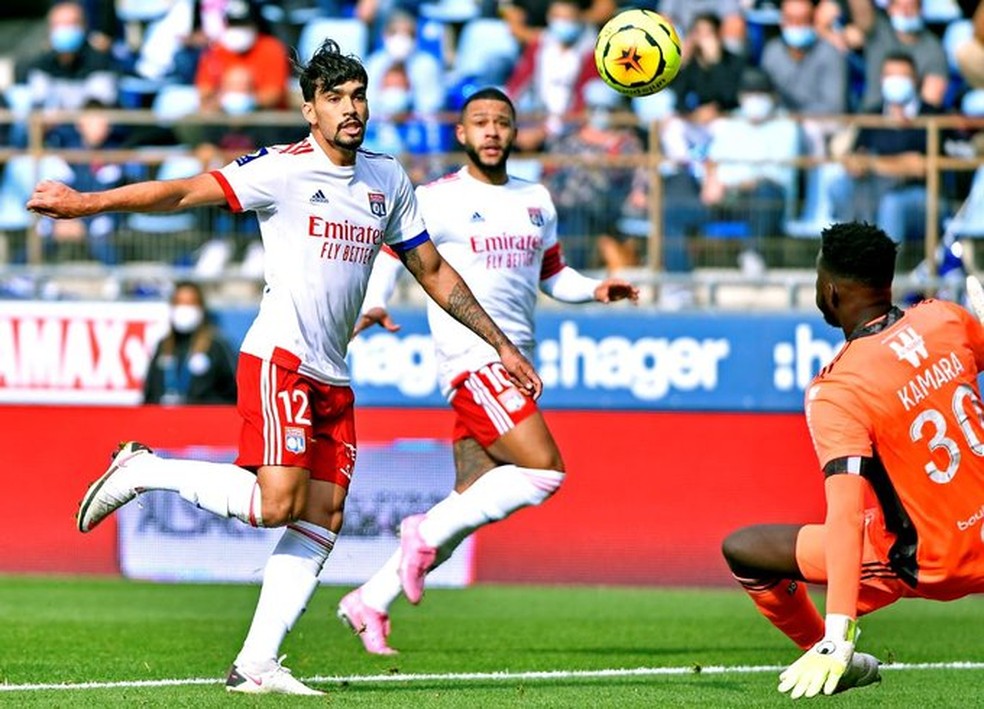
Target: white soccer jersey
pixel 502 239
pixel 322 226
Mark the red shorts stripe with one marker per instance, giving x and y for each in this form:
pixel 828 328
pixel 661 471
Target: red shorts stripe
pixel 488 405
pixel 292 420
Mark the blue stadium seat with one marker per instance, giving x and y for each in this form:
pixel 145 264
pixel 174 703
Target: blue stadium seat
pixel 969 223
pixel 351 34
pixel 486 48
pixel 818 208
pixel 955 34
pixel 176 101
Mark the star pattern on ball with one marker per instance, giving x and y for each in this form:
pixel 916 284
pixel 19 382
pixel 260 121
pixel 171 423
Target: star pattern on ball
pixel 630 60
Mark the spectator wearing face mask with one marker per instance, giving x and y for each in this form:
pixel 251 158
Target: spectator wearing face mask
pixel 899 30
pixel 193 364
pixel 885 181
pixel 423 70
pixel 71 72
pixel 244 44
pixel 588 197
pixel 396 129
pixel 552 71
pixel 683 13
pixel 808 73
pixel 87 238
pixel 748 173
pixel 230 134
pixel 528 18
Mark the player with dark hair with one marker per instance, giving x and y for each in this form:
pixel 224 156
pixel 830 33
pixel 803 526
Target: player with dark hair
pixel 500 233
pixel 325 209
pixel 896 421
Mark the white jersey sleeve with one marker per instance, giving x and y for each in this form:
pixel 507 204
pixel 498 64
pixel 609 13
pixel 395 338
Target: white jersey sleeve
pixel 405 229
pixel 253 182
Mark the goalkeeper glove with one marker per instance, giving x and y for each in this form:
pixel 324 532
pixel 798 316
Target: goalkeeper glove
pixel 824 663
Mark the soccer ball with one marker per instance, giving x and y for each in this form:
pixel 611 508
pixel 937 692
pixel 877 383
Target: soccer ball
pixel 638 52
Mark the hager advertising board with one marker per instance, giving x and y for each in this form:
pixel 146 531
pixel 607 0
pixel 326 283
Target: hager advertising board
pixel 590 357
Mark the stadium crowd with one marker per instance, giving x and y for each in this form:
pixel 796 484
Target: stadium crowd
pixel 761 81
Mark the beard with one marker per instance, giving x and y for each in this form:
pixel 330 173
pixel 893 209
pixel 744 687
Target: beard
pixel 485 166
pixel 348 142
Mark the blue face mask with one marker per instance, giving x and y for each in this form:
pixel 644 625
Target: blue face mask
pixel 392 101
pixel 898 89
pixel 907 24
pixel 67 39
pixel 799 37
pixel 237 103
pixel 566 31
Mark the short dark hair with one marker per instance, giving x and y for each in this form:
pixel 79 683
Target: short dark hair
pixel 193 285
pixel 327 69
pixel 900 56
pixel 489 93
pixel 860 252
pixel 708 17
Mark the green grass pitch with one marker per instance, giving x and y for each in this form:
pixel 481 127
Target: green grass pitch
pixel 108 631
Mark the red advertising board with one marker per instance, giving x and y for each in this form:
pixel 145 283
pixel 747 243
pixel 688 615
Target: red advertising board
pixel 80 353
pixel 648 498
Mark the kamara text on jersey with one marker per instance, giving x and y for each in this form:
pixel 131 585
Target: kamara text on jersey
pixel 930 379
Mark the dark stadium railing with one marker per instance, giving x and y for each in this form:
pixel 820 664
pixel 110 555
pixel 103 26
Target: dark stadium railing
pixel 30 252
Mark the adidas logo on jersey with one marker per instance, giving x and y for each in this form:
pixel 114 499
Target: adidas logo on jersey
pixel 476 217
pixel 318 198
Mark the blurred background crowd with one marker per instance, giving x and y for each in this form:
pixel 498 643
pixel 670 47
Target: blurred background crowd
pixel 786 115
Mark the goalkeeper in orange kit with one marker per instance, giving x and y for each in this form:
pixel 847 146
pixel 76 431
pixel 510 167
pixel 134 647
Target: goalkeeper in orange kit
pixel 896 421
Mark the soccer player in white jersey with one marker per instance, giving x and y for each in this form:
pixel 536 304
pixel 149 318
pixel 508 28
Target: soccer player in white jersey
pixel 500 233
pixel 325 208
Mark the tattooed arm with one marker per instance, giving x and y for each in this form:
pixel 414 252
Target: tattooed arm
pixel 446 287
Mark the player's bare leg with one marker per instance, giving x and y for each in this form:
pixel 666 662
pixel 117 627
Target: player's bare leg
pixel 289 580
pixel 763 560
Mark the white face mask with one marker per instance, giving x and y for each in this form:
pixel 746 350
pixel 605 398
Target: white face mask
pixel 392 101
pixel 600 118
pixel 399 46
pixel 239 39
pixel 236 103
pixel 898 89
pixel 186 319
pixel 756 107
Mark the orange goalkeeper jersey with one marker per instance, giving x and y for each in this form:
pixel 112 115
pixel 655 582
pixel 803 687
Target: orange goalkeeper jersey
pixel 900 405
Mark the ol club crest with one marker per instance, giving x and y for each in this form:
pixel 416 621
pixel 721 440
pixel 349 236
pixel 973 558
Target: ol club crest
pixel 377 204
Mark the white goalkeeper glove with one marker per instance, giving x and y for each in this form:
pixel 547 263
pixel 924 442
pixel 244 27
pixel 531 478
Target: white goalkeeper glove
pixel 824 663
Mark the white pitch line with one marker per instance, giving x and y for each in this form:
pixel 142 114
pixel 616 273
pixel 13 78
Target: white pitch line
pixel 484 676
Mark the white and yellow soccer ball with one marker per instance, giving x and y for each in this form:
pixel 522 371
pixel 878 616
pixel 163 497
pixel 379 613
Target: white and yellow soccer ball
pixel 638 52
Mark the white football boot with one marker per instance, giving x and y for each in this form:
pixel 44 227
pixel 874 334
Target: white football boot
pixel 268 677
pixel 115 488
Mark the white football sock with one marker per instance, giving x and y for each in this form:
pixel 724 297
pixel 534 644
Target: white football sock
pixel 495 495
pixel 289 580
pixel 384 587
pixel 220 488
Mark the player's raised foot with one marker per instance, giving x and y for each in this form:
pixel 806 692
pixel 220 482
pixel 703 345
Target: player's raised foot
pixel 372 626
pixel 115 488
pixel 269 677
pixel 416 558
pixel 862 671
